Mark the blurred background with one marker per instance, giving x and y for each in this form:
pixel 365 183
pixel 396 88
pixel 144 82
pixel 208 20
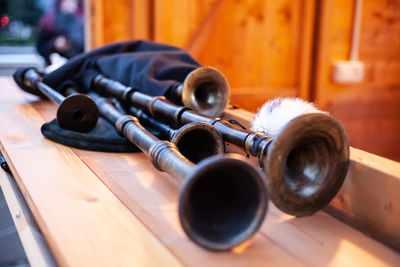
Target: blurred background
pixel 344 55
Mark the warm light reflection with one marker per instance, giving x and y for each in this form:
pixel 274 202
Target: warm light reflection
pixel 347 251
pixel 242 247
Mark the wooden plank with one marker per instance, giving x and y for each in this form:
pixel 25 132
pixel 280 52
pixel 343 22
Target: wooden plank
pixel 118 20
pixel 252 98
pixel 94 22
pixel 340 244
pixel 307 31
pixel 368 199
pixel 35 246
pixel 256 44
pixel 332 242
pixel 111 21
pixel 83 222
pixel 142 17
pixel 152 196
pixel 319 240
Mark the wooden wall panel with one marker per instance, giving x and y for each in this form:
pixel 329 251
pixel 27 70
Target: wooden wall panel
pixel 263 47
pixel 269 48
pixel 369 111
pixel 112 21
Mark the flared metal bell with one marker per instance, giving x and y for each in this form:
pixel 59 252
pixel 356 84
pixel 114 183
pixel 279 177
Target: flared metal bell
pixel 306 164
pixel 206 90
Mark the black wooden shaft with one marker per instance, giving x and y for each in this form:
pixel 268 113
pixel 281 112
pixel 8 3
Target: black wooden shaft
pixel 71 91
pixel 305 164
pixel 165 129
pixel 32 78
pixel 252 142
pixel 164 155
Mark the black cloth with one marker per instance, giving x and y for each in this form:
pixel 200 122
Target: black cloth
pixel 103 137
pixel 149 67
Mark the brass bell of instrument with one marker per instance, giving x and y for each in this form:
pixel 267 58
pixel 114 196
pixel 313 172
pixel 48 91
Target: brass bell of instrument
pixel 205 90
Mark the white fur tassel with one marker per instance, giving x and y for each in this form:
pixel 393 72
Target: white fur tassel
pixel 274 114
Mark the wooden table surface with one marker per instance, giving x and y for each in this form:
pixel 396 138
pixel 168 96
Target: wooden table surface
pixel 115 209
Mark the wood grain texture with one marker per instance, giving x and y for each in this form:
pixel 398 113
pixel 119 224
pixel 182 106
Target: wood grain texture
pixel 370 109
pixel 152 196
pixel 368 199
pixel 280 48
pixel 83 222
pixel 35 246
pixel 260 45
pixel 319 240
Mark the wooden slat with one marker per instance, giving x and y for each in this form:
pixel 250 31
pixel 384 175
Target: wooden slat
pixel 255 43
pixel 332 242
pixel 251 98
pixel 152 197
pixel 111 21
pixel 307 31
pixel 35 246
pixel 368 199
pixel 83 222
pixel 94 22
pixel 142 16
pixel 319 240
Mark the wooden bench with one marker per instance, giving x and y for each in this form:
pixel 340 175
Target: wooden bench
pixel 111 209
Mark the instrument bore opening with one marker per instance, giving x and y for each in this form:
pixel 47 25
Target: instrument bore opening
pixel 307 165
pixel 77 115
pixel 206 94
pixel 198 144
pixel 225 204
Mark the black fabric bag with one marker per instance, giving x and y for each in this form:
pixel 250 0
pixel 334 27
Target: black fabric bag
pixel 153 68
pixel 149 67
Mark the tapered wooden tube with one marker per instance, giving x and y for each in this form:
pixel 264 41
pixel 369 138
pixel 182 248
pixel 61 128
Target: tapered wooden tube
pixel 76 112
pixel 196 140
pixel 223 199
pixel 305 164
pixel 161 107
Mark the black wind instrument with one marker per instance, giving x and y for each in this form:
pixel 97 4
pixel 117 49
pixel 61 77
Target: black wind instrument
pixel 305 164
pixel 223 199
pixel 205 90
pixel 76 112
pixel 195 141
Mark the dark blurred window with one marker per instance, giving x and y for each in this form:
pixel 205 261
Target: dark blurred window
pixel 19 20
